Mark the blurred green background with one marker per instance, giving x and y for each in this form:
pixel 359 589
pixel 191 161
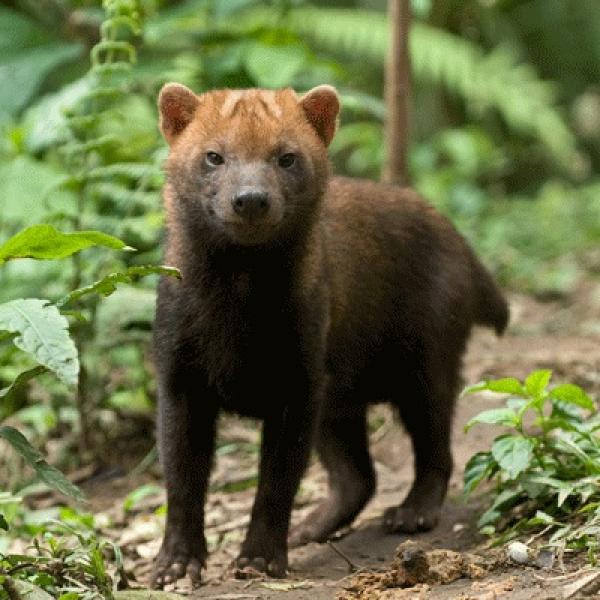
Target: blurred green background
pixel 505 110
pixel 505 139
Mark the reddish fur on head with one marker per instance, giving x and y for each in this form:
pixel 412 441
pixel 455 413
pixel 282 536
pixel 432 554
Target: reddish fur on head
pixel 178 105
pixel 249 130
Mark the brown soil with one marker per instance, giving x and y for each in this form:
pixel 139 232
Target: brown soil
pixel 560 336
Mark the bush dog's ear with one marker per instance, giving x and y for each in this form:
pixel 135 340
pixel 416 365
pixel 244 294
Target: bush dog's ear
pixel 177 105
pixel 321 106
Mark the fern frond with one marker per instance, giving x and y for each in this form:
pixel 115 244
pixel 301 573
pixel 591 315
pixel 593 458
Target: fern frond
pixel 485 81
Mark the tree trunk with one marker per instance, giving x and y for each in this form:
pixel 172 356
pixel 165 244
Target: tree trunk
pixel 397 93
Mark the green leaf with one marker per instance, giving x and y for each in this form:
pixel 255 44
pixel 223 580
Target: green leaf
pixel 42 332
pixel 508 385
pixel 503 501
pixel 46 242
pixel 3 523
pixel 513 454
pixel 536 382
pixel 21 380
pixel 494 416
pixel 479 467
pixel 541 518
pixel 47 473
pixel 108 285
pixel 572 394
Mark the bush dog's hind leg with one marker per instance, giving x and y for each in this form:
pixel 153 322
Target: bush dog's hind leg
pixel 342 445
pixel 426 411
pixel 186 437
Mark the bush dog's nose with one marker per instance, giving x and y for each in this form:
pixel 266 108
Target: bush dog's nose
pixel 251 204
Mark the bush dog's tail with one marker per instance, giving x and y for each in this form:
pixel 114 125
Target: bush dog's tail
pixel 492 307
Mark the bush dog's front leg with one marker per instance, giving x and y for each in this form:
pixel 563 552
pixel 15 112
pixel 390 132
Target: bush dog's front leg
pixel 187 438
pixel 286 443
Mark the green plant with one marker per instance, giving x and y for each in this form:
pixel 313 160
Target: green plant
pixel 40 328
pixel 546 467
pixel 67 561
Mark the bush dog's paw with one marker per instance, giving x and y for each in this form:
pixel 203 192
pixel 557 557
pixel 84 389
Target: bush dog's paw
pixel 408 519
pixel 171 566
pixel 275 566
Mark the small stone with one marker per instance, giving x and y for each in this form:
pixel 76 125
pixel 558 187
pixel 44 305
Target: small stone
pixel 520 553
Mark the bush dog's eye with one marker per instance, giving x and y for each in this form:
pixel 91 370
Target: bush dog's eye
pixel 287 160
pixel 214 159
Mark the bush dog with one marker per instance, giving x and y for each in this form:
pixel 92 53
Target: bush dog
pixel 303 299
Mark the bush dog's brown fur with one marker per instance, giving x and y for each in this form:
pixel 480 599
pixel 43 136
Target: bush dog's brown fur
pixel 303 299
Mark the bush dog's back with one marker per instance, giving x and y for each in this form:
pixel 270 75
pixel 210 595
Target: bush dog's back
pixel 303 299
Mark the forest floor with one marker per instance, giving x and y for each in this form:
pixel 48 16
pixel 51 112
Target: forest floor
pixel 562 336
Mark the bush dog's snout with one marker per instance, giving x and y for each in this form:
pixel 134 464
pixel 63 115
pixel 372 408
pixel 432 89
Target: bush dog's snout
pixel 251 203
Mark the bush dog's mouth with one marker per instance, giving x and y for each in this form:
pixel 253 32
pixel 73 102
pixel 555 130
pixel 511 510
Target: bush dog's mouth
pixel 251 234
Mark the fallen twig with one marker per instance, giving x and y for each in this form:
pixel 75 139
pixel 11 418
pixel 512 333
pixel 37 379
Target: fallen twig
pixel 351 566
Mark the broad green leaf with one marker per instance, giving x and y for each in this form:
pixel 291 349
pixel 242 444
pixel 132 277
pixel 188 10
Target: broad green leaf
pixel 42 332
pixel 508 385
pixel 108 285
pixel 513 454
pixel 46 242
pixel 494 416
pixel 47 473
pixel 572 394
pixel 537 382
pixel 21 379
pixel 479 467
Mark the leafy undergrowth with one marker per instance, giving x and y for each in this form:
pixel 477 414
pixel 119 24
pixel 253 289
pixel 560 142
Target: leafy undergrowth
pixel 545 468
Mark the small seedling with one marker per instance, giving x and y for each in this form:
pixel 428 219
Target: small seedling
pixel 546 466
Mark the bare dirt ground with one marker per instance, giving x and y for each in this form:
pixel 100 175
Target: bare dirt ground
pixel 561 336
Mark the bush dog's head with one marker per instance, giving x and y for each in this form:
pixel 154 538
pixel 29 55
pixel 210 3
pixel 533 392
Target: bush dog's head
pixel 248 166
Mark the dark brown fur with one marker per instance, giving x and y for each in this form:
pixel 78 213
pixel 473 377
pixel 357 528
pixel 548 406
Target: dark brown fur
pixel 345 292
